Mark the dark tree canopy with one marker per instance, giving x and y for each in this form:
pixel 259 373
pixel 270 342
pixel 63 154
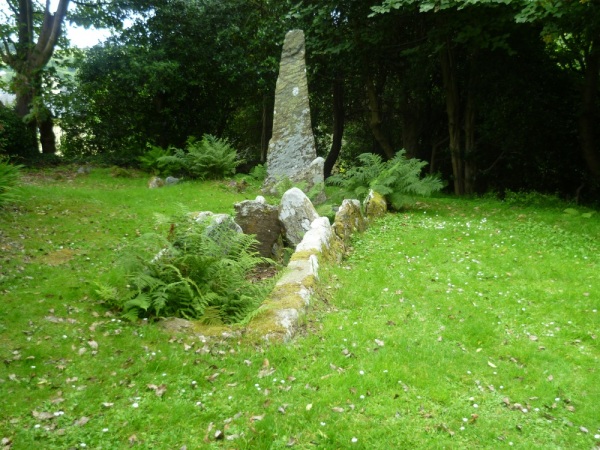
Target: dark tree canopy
pixel 493 95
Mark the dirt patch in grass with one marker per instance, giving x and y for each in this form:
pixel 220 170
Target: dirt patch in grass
pixel 58 257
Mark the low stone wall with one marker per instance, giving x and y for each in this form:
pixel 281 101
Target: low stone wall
pixel 283 310
pixel 280 314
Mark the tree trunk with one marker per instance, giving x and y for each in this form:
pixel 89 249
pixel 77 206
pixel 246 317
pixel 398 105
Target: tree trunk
pixel 470 166
pixel 589 111
pixel 338 126
pixel 47 136
pixel 30 58
pixel 412 113
pixel 267 126
pixel 375 120
pixel 450 83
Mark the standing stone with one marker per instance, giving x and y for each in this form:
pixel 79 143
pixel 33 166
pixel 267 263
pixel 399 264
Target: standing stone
pixel 292 147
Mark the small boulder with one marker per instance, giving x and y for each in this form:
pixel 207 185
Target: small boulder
pixel 262 220
pixel 296 213
pixel 171 180
pixel 216 223
pixel 375 205
pixel 156 182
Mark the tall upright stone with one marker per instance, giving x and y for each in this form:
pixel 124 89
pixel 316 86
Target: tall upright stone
pixel 292 153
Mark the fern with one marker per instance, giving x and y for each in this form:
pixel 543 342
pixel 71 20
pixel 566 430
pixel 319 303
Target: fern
pixel 397 179
pixel 209 158
pixel 10 176
pixel 196 275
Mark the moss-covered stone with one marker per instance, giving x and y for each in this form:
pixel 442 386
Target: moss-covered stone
pixel 348 220
pixel 375 205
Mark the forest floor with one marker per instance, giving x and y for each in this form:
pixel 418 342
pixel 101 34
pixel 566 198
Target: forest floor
pixel 460 323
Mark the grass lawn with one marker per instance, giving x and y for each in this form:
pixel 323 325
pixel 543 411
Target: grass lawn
pixel 458 324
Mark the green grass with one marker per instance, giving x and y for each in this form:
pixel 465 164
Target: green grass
pixel 476 302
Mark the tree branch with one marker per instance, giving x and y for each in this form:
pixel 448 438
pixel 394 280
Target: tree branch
pixel 51 29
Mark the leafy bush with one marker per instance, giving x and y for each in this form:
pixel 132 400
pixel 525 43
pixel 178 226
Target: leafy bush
pixel 210 158
pixel 151 161
pixel 9 180
pixel 396 179
pixel 259 172
pixel 195 272
pixel 15 138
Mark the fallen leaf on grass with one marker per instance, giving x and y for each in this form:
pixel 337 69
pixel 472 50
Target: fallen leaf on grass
pixel 337 409
pixel 82 421
pixel 309 407
pixel 212 377
pixel 107 405
pixel 492 365
pixel 257 418
pixel 93 345
pixel 42 415
pixel 158 390
pixel 533 337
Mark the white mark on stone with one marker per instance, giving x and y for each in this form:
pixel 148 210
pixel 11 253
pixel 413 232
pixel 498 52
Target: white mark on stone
pixel 295 91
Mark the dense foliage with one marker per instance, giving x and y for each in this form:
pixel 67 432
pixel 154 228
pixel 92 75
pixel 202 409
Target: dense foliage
pixel 209 158
pixel 14 138
pixel 198 271
pixel 493 96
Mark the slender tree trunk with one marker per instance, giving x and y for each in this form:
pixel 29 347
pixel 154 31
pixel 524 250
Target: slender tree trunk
pixel 589 111
pixel 375 119
pixel 267 128
pixel 470 166
pixel 47 136
pixel 412 126
pixel 450 83
pixel 338 125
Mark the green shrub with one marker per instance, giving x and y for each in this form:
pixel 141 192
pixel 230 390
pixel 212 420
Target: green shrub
pixel 9 180
pixel 397 179
pixel 15 138
pixel 259 172
pixel 194 272
pixel 210 158
pixel 151 161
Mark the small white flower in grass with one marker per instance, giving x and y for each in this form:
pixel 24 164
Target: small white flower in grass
pixel 462 428
pixel 135 405
pixel 469 372
pixel 557 399
pixel 475 405
pixel 362 372
pixel 104 430
pixel 323 424
pixel 362 397
pixel 354 440
pixel 230 397
pixel 37 425
pixel 510 443
pixel 597 436
pixel 464 419
pixel 83 444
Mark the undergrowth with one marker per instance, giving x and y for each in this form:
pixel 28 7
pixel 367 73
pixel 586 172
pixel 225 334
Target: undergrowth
pixel 194 269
